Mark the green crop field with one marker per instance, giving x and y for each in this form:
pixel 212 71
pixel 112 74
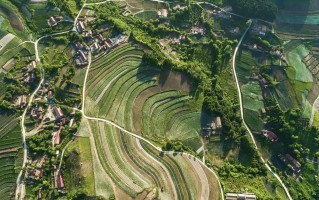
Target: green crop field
pixel 294 58
pixel 26 50
pixel 10 155
pixel 253 120
pixel 3 86
pixel 121 89
pixel 147 15
pixel 245 65
pixel 252 96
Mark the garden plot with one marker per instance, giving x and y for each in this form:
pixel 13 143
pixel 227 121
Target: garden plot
pixel 253 103
pixel 252 96
pixel 6 39
pixel 245 64
pixel 294 58
pixel 147 14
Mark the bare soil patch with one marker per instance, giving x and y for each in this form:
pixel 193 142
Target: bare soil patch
pixel 170 80
pixel 8 150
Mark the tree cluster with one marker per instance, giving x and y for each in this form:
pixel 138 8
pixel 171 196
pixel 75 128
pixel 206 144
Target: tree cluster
pixel 262 9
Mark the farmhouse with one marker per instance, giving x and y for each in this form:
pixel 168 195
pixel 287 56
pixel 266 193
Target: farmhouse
pixel 106 45
pixel 95 47
pixel 31 66
pixel 270 135
pixel 82 56
pixel 60 181
pixel 38 173
pixel 198 31
pixel 78 45
pixel 81 59
pixel 22 100
pixel 50 94
pixel 162 13
pixel 291 162
pixel 52 21
pixel 57 138
pixel 235 196
pixel 26 79
pixel 58 112
pixel 263 30
pixel 80 26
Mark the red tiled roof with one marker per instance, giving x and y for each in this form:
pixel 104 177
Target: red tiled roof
pixel 60 181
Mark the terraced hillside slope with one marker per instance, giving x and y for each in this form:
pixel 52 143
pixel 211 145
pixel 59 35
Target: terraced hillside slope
pixel 137 170
pixel 10 153
pixel 143 99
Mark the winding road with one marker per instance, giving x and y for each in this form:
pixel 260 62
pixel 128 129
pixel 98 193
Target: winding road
pixel 20 190
pixel 242 114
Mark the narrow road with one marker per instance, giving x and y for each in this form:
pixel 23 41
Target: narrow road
pixel 63 150
pixel 242 113
pixel 25 148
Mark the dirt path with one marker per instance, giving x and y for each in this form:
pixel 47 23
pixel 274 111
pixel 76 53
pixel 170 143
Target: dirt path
pixel 9 150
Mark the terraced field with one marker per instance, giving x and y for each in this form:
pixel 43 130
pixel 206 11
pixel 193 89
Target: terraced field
pixel 10 154
pixel 138 169
pixel 142 99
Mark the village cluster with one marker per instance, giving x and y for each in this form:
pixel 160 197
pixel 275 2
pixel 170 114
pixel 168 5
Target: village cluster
pixel 44 111
pixel 96 42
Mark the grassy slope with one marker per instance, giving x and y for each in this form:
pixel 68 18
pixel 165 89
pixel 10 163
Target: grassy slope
pixel 83 147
